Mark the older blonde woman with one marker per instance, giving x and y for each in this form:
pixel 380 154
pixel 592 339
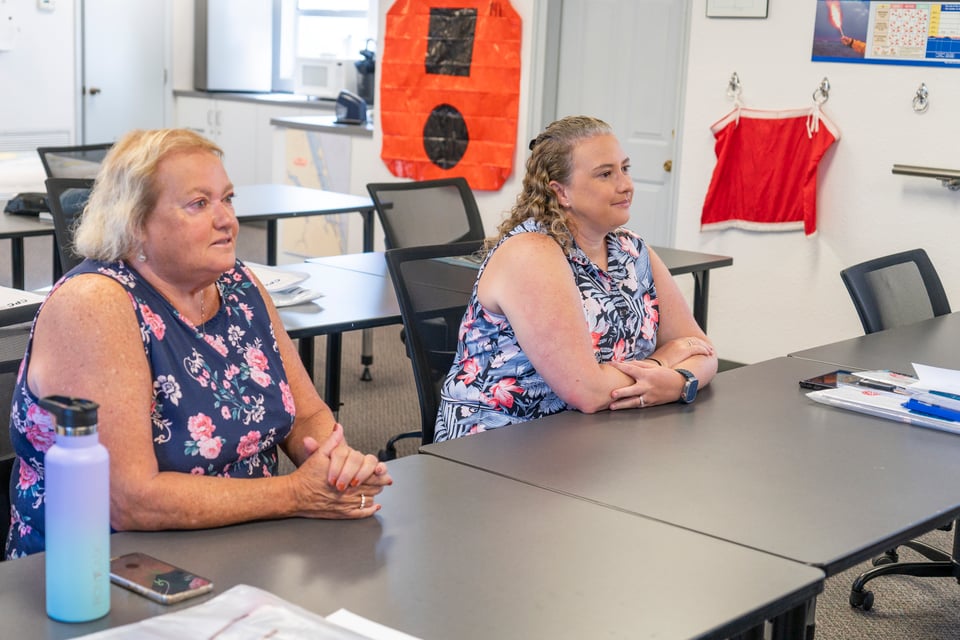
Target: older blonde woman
pixel 570 309
pixel 182 348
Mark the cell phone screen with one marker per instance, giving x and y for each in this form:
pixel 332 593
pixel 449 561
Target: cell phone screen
pixel 156 579
pixel 824 381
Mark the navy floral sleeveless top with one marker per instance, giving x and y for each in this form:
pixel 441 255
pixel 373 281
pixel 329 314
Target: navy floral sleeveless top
pixel 221 402
pixel 492 382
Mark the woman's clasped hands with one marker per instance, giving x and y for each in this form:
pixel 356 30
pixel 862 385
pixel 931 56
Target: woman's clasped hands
pixel 656 381
pixel 336 481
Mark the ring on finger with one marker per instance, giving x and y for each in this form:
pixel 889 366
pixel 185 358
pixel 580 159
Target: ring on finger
pixel 642 403
pixel 363 501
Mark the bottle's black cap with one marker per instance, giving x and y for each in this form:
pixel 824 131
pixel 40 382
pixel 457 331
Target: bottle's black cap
pixel 75 416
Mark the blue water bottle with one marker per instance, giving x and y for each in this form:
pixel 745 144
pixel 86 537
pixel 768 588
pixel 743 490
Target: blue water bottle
pixel 77 504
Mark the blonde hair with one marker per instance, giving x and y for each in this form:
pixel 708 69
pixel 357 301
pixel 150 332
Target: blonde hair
pixel 126 191
pixel 551 160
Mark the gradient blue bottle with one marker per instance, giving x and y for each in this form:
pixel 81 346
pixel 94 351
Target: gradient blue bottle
pixel 77 514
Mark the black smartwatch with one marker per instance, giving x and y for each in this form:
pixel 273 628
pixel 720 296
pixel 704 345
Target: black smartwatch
pixel 689 393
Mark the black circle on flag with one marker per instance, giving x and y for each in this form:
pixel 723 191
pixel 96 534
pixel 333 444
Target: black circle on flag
pixel 445 136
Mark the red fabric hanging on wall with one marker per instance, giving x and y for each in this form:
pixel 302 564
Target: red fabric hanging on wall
pixel 450 90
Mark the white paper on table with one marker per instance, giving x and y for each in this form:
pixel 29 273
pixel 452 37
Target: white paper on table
pixel 937 378
pixel 276 279
pixel 11 298
pixel 240 612
pixel 366 627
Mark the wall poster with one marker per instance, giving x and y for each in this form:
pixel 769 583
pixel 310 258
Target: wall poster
pixel 911 33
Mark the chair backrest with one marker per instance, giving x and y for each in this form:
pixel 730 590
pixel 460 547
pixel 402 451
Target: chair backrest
pixel 427 212
pixel 76 161
pixel 433 288
pixel 6 470
pixel 67 197
pixel 895 290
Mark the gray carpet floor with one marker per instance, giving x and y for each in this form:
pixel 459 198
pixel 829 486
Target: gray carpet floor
pixel 905 608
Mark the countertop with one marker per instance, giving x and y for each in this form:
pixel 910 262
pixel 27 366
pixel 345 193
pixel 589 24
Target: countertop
pixel 327 124
pixel 321 104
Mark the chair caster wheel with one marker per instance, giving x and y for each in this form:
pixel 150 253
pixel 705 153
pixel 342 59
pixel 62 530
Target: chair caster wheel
pixel 889 557
pixel 366 376
pixel 861 600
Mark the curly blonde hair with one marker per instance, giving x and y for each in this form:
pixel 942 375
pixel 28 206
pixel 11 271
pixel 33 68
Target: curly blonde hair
pixel 126 191
pixel 551 159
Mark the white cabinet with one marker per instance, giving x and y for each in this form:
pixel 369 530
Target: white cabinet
pixel 241 129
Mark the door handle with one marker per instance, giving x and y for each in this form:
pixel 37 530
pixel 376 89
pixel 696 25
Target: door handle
pixel 668 166
pixel 94 91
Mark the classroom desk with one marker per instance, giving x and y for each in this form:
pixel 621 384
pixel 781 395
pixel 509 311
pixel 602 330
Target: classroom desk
pixel 458 553
pixel 932 342
pixel 752 461
pixel 273 202
pixel 351 300
pixel 678 261
pixel 15 228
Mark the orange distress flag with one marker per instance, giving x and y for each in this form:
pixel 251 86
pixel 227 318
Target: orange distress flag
pixel 450 90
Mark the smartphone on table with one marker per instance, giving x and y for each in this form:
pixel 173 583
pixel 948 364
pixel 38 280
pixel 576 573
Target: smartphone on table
pixel 827 380
pixel 156 579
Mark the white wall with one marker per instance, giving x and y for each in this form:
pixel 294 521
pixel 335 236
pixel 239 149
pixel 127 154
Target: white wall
pixel 783 292
pixel 38 72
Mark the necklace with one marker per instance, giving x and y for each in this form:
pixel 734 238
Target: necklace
pixel 203 315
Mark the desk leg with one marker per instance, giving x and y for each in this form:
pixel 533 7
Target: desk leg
pixel 16 262
pixel 331 385
pixel 794 624
pixel 701 289
pixel 366 351
pixel 272 242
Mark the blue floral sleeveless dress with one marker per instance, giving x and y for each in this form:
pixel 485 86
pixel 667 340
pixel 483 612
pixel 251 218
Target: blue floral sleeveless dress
pixel 221 401
pixel 492 382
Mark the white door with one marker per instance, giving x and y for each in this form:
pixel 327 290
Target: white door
pixel 620 60
pixel 124 61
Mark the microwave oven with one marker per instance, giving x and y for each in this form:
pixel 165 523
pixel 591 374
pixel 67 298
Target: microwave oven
pixel 324 77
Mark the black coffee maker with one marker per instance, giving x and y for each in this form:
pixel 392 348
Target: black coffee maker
pixel 367 73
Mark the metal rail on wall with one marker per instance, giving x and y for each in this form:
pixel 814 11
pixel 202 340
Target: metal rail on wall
pixel 949 177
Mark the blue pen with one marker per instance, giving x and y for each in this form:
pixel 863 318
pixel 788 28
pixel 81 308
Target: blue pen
pixel 916 406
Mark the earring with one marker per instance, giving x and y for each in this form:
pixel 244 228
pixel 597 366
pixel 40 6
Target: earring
pixel 141 257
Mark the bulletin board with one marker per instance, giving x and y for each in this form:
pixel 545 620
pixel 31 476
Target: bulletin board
pixel 905 33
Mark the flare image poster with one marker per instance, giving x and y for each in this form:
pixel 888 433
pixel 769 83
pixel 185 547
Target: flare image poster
pixel 911 33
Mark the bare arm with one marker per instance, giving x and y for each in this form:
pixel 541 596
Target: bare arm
pixel 87 344
pixel 681 344
pixel 529 280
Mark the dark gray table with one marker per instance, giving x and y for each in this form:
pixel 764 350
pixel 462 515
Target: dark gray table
pixel 15 228
pixel 272 202
pixel 933 342
pixel 457 553
pixel 752 461
pixel 679 262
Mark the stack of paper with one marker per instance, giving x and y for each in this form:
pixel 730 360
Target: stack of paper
pixel 932 399
pixel 284 286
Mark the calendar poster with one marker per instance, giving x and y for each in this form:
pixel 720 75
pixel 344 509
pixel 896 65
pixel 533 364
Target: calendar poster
pixel 913 33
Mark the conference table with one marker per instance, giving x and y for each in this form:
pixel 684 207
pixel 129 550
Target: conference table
pixel 358 294
pixel 459 553
pixel 15 228
pixel 273 202
pixel 753 461
pixel 932 342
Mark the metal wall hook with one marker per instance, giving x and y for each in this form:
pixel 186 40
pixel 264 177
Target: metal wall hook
pixel 733 87
pixel 822 93
pixel 921 101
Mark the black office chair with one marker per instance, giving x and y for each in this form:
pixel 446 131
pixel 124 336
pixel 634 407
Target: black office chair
pixel 895 290
pixel 74 161
pixel 889 292
pixel 433 294
pixel 427 212
pixel 6 470
pixel 67 197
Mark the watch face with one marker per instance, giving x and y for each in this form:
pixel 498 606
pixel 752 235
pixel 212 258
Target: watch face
pixel 689 392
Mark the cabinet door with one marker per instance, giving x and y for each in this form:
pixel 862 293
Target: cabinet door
pixel 237 123
pixel 197 114
pixel 264 132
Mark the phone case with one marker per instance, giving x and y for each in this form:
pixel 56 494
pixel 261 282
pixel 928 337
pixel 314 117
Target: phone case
pixel 155 579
